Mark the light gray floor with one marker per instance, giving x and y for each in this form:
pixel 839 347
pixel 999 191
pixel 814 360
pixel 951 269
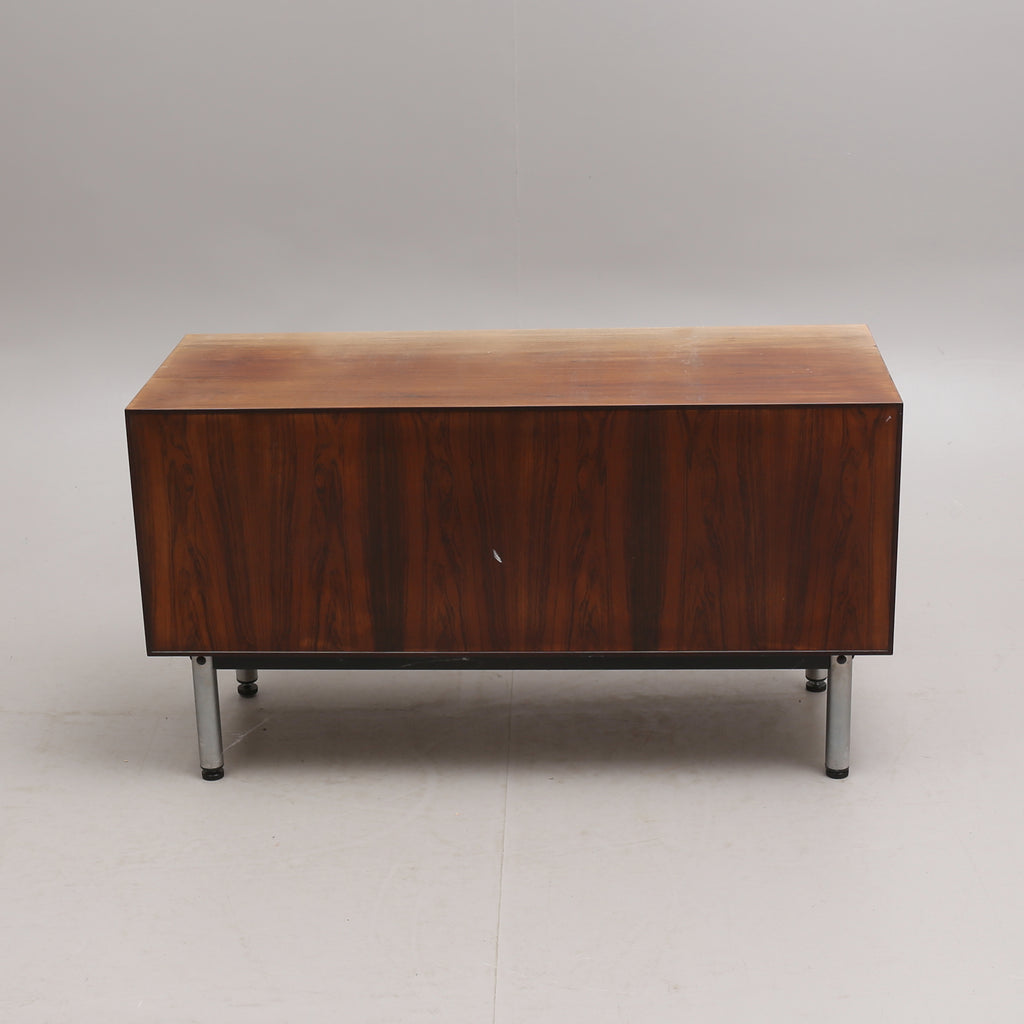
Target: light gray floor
pixel 510 847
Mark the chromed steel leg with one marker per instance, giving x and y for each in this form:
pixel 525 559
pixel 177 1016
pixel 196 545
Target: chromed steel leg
pixel 211 749
pixel 817 680
pixel 246 678
pixel 837 717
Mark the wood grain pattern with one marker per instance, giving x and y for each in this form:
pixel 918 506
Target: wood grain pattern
pixel 703 529
pixel 507 369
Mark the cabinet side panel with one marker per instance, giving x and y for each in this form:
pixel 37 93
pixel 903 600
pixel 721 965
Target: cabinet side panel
pixel 712 529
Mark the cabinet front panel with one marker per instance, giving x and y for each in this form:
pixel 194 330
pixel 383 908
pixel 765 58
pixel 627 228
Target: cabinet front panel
pixel 456 530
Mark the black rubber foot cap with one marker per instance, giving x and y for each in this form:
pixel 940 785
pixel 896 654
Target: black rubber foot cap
pixel 213 774
pixel 248 689
pixel 837 773
pixel 817 685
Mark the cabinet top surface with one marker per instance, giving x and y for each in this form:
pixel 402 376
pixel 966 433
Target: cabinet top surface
pixel 805 365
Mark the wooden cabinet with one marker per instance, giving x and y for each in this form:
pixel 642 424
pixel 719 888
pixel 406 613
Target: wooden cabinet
pixel 683 495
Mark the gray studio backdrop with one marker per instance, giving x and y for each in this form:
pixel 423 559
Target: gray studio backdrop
pixel 222 165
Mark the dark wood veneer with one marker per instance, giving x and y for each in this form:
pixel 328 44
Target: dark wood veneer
pixel 660 498
pixel 698 528
pixel 658 366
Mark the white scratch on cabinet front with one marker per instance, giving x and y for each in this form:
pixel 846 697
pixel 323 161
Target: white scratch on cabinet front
pixel 497 557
